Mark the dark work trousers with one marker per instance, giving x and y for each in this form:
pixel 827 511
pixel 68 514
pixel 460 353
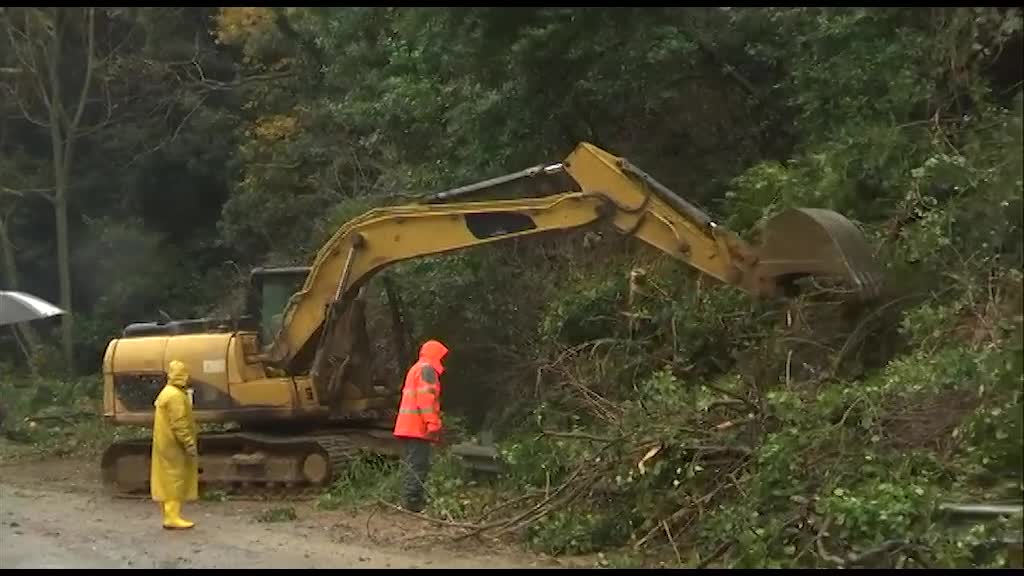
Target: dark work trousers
pixel 415 467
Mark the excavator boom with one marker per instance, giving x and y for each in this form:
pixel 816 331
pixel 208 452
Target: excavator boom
pixel 595 186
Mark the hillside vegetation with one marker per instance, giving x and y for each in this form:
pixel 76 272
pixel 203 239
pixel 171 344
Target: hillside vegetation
pixel 149 157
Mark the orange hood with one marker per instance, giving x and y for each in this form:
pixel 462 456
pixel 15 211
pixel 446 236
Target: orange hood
pixel 433 352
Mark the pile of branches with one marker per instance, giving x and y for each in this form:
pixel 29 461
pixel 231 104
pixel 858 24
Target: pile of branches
pixel 590 480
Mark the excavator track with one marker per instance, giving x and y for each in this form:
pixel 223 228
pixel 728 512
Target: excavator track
pixel 253 465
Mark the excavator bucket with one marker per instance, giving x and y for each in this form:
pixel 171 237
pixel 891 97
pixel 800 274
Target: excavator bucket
pixel 819 243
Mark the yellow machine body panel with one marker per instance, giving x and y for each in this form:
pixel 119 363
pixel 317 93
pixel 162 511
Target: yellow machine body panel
pixel 224 385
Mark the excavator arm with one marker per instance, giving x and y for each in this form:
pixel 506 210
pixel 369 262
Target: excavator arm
pixel 597 187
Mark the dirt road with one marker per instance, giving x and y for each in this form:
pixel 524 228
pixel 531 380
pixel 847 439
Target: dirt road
pixel 53 515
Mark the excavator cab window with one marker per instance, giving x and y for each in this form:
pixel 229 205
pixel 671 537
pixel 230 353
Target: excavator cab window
pixel 271 288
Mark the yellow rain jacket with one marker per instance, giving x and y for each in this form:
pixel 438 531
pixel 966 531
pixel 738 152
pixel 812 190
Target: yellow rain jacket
pixel 174 472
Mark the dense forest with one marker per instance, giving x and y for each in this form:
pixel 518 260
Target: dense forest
pixel 150 157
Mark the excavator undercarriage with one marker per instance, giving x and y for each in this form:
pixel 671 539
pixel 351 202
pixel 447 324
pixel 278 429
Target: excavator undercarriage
pixel 253 464
pixel 308 388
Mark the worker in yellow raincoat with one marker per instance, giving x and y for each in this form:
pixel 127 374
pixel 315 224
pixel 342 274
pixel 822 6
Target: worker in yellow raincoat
pixel 174 473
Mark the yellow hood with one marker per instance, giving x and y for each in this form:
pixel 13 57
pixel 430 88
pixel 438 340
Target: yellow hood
pixel 177 375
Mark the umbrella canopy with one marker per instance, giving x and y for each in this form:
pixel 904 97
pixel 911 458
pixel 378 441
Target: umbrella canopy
pixel 20 307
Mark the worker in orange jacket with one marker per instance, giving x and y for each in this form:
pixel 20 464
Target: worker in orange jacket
pixel 419 421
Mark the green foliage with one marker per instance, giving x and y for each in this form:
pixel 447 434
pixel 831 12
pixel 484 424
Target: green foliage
pixel 578 531
pixel 994 437
pixel 366 477
pixel 876 511
pixel 213 496
pixel 54 416
pixel 448 488
pixel 537 463
pixel 277 514
pixel 584 315
pixel 928 325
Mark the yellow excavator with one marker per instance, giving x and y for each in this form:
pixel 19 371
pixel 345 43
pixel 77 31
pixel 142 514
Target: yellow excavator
pixel 297 375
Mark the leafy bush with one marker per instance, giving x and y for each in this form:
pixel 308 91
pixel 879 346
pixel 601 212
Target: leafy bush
pixel 55 417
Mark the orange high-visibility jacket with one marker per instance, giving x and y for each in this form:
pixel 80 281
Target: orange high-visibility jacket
pixel 419 414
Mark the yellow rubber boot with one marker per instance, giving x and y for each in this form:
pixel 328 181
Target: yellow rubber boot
pixel 172 517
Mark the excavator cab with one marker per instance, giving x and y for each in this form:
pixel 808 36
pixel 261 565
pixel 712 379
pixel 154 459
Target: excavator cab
pixel 269 292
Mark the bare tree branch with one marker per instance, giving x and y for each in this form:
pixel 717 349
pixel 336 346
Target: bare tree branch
pixel 90 63
pixel 24 111
pixel 108 119
pixel 53 103
pixel 217 85
pixel 24 54
pixel 173 136
pixel 116 49
pixel 21 192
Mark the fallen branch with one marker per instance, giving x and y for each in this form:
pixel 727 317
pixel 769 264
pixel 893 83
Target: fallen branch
pixel 732 479
pixel 672 541
pixel 506 525
pixel 726 402
pixel 714 449
pixel 677 515
pixel 887 547
pixel 578 435
pixel 507 504
pixel 542 511
pixel 715 555
pixel 822 553
pixel 427 518
pixel 369 533
pixel 725 392
pixel 67 418
pixel 859 332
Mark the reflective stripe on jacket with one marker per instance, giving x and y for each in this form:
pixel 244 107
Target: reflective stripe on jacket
pixel 419 414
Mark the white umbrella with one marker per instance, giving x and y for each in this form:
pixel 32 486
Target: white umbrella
pixel 20 307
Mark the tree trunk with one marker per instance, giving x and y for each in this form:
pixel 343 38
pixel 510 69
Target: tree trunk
pixel 26 332
pixel 64 265
pixel 63 142
pixel 60 176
